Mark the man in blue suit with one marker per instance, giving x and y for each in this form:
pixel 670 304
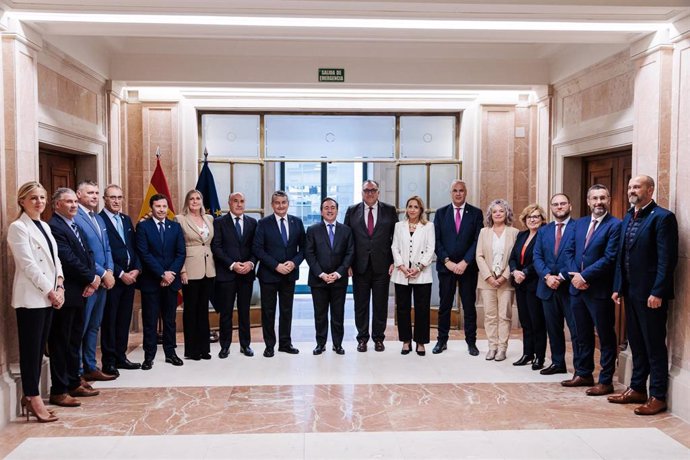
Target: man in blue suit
pixel 94 231
pixel 279 246
pixel 457 227
pixel 591 258
pixel 120 299
pixel 161 248
pixel 647 258
pixel 554 281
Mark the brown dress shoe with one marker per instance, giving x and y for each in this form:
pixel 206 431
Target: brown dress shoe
pixel 600 389
pixel 82 392
pixel 88 386
pixel 362 346
pixel 579 381
pixel 629 396
pixel 652 407
pixel 98 375
pixel 378 345
pixel 64 400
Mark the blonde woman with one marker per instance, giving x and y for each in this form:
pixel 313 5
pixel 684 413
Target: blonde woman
pixel 494 246
pixel 413 248
pixel 197 275
pixel 37 289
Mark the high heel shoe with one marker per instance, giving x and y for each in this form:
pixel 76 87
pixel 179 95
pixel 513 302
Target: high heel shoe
pixel 421 352
pixel 524 360
pixel 24 401
pixel 406 351
pixel 26 407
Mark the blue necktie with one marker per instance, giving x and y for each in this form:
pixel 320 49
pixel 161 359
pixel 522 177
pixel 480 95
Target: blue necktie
pixel 238 227
pixel 331 236
pixel 283 231
pixel 120 228
pixel 161 230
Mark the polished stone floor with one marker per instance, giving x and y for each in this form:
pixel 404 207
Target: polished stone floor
pixel 359 405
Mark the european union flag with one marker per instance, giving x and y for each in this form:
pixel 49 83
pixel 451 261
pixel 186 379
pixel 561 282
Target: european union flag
pixel 207 186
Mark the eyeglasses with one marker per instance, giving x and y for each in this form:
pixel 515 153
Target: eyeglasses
pixel 113 197
pixel 370 190
pixel 533 217
pixel 560 203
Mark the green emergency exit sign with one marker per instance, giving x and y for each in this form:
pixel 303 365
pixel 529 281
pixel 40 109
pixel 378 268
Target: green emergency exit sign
pixel 332 75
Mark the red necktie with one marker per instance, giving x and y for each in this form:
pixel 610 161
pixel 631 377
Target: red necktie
pixel 590 232
pixel 559 235
pixel 458 220
pixel 370 222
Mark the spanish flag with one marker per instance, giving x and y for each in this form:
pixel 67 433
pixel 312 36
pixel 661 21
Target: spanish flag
pixel 158 185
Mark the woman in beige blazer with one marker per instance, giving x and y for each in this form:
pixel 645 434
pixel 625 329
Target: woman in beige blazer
pixel 413 246
pixel 197 275
pixel 494 245
pixel 36 290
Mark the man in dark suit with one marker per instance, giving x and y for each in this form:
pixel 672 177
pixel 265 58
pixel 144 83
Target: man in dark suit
pixel 554 281
pixel 591 258
pixel 372 223
pixel 329 251
pixel 457 227
pixel 232 250
pixel 94 232
pixel 161 249
pixel 647 258
pixel 81 281
pixel 279 246
pixel 117 315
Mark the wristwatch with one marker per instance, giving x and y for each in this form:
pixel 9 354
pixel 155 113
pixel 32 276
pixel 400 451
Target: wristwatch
pixel 446 260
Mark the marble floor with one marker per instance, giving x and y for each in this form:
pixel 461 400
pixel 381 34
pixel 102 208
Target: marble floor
pixel 359 405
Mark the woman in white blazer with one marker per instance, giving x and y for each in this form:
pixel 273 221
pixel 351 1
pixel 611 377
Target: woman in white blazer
pixel 494 245
pixel 36 290
pixel 197 276
pixel 413 246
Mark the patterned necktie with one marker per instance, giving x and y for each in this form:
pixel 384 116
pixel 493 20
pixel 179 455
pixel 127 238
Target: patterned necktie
pixel 283 231
pixel 458 220
pixel 161 230
pixel 559 235
pixel 75 229
pixel 370 222
pixel 331 235
pixel 238 227
pixel 590 232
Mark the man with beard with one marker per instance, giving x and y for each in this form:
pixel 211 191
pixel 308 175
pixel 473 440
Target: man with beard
pixel 647 257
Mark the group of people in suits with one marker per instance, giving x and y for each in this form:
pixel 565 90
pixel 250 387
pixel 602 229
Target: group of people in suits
pixel 77 274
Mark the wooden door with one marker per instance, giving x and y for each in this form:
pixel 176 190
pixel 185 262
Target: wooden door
pixel 56 170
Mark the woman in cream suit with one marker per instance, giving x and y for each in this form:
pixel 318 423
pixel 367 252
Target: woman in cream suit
pixel 494 245
pixel 36 290
pixel 413 248
pixel 197 276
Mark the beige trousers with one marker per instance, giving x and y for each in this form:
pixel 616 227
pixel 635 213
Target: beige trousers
pixel 498 305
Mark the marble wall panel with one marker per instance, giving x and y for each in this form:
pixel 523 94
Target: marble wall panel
pixel 65 95
pixel 133 141
pixel 160 130
pixel 497 154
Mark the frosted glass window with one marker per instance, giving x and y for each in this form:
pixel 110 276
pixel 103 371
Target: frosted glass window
pixel 221 176
pixel 427 137
pixel 439 192
pixel 329 137
pixel 233 136
pixel 412 181
pixel 247 179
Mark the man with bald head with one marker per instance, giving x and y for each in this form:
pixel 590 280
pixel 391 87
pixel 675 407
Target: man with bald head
pixel 647 257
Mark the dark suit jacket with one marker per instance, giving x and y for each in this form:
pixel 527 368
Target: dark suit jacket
pixel 229 248
pixel 653 255
pixel 324 259
pixel 77 261
pixel 377 247
pixel 531 277
pixel 157 259
pixel 457 246
pixel 597 262
pixel 119 249
pixel 269 248
pixel 548 263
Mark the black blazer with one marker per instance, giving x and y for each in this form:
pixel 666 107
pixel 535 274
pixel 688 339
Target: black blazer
pixel 157 259
pixel 324 259
pixel 457 246
pixel 377 247
pixel 229 248
pixel 78 265
pixel 119 248
pixel 531 277
pixel 269 248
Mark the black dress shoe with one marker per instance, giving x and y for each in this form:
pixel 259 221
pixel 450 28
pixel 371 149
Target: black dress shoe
pixel 193 357
pixel 537 364
pixel 174 360
pixel 361 346
pixel 472 349
pixel 268 352
pixel 147 365
pixel 247 351
pixel 421 352
pixel 224 352
pixel 440 347
pixel 553 369
pixel 339 349
pixel 406 349
pixel 288 349
pixel 127 364
pixel 110 369
pixel 205 356
pixel 524 360
pixel 319 349
pixel 378 345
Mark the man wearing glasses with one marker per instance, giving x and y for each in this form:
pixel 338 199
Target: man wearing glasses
pixel 372 223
